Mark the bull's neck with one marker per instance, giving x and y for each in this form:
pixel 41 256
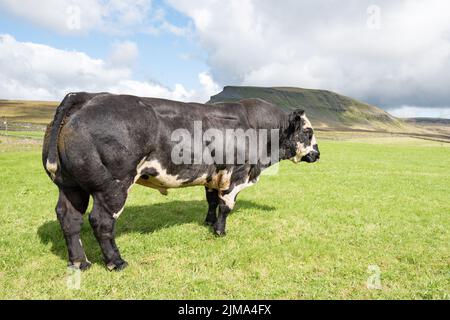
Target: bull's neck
pixel 286 149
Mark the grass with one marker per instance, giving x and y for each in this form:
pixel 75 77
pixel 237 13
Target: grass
pixel 310 232
pixel 24 134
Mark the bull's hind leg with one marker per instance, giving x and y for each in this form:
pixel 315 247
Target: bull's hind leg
pixel 72 204
pixel 108 205
pixel 213 201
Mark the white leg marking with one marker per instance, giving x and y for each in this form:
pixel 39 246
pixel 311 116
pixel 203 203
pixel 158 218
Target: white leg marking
pixel 85 257
pixel 117 214
pixel 229 197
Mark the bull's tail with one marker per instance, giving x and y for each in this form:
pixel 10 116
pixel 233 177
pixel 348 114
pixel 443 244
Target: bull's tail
pixel 52 157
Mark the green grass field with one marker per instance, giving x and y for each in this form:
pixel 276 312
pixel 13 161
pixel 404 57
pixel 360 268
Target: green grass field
pixel 24 134
pixel 314 231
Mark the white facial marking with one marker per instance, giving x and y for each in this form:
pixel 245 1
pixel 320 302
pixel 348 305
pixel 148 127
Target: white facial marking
pixel 301 149
pixel 307 123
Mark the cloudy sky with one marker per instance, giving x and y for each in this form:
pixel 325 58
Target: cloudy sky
pixel 393 54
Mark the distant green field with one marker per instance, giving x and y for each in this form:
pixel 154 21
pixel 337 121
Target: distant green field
pixel 36 112
pixel 23 134
pixel 314 231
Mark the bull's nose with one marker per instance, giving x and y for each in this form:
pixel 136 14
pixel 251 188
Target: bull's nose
pixel 317 152
pixel 315 156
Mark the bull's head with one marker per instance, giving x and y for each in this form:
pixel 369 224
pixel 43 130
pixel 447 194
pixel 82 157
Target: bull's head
pixel 299 138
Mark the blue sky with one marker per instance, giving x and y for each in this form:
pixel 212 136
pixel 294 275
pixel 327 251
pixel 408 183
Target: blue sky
pixel 393 54
pixel 162 58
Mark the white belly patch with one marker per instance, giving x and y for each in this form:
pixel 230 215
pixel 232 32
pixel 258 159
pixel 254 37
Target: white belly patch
pixel 162 181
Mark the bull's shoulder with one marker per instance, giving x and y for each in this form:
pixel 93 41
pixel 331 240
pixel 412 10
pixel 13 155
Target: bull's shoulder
pixel 263 114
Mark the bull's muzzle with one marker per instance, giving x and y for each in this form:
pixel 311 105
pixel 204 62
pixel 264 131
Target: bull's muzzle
pixel 313 156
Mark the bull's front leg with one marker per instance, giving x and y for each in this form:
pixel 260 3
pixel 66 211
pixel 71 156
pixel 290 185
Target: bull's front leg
pixel 212 197
pixel 219 226
pixel 227 199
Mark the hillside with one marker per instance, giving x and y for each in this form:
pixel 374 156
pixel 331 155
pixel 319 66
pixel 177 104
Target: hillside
pixel 429 121
pixel 439 125
pixel 26 114
pixel 325 109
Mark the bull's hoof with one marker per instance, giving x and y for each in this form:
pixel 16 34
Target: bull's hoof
pixel 83 265
pixel 117 265
pixel 219 233
pixel 219 228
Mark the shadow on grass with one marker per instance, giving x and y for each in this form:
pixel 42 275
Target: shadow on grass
pixel 138 219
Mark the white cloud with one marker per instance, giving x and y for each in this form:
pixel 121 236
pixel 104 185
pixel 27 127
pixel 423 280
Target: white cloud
pixel 40 72
pixel 124 53
pixel 63 16
pixel 412 112
pixel 323 44
pixel 128 12
pixel 117 17
pixel 209 86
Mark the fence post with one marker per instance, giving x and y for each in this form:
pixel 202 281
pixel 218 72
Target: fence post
pixel 5 122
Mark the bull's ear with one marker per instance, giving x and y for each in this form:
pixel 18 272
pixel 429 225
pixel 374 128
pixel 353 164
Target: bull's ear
pixel 295 118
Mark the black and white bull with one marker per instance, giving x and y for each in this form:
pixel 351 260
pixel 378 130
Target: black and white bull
pixel 101 144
